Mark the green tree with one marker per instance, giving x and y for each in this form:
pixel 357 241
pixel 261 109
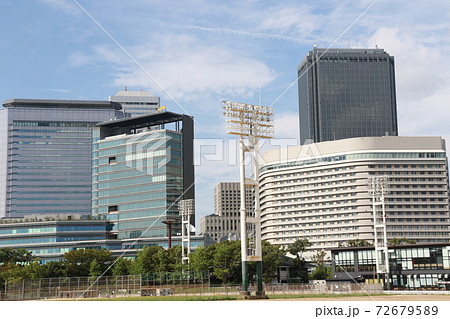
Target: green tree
pixel 122 267
pixel 298 246
pixel 227 261
pixel 147 261
pixel 298 268
pixel 77 263
pixel 169 260
pixel 15 265
pixel 15 256
pixel 95 269
pixel 322 271
pixel 358 243
pixel 272 256
pixel 52 269
pixel 202 259
pixel 398 241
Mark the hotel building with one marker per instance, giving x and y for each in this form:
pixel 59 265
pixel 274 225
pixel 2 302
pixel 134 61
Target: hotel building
pixel 319 191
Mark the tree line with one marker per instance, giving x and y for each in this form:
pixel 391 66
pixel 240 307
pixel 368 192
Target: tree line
pixel 221 260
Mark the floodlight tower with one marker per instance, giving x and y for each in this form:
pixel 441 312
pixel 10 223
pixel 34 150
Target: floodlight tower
pixel 378 187
pixel 187 209
pixel 250 122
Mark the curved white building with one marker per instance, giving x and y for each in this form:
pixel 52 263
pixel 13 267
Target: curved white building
pixel 319 191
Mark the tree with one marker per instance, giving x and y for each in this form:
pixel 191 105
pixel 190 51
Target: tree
pixel 15 256
pixel 322 271
pixel 95 269
pixel 122 267
pixel 77 263
pixel 15 265
pixel 227 261
pixel 272 256
pixel 147 261
pixel 298 267
pixel 358 243
pixel 202 259
pixel 298 246
pixel 398 241
pixel 52 269
pixel 170 259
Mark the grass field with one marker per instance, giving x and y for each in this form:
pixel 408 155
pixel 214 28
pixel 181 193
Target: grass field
pixel 235 297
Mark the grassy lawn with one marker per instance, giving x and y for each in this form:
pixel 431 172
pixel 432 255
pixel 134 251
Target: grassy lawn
pixel 210 298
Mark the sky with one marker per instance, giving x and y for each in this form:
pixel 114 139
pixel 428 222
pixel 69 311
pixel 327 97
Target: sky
pixel 195 53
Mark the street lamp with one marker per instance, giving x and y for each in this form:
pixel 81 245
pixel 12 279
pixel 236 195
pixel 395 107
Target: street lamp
pixel 169 222
pixel 250 122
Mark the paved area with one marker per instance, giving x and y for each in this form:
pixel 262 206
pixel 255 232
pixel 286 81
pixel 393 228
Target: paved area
pixel 378 298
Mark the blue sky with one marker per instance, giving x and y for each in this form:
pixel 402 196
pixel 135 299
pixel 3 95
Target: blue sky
pixel 203 51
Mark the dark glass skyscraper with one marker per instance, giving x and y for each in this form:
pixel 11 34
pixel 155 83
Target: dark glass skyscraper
pixel 346 93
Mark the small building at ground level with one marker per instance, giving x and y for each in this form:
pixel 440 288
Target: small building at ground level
pixel 416 266
pixel 50 237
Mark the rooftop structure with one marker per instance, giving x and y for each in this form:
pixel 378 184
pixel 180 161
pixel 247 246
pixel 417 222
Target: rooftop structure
pixel 136 103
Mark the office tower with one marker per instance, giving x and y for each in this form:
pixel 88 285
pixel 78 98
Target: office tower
pixel 142 167
pixel 136 102
pixel 45 155
pixel 225 222
pixel 320 191
pixel 346 93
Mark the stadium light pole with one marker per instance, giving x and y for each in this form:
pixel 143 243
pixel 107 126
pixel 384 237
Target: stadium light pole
pixel 378 188
pixel 250 122
pixel 187 210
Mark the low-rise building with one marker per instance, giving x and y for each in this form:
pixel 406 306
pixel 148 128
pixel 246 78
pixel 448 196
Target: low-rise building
pixel 49 237
pixel 411 266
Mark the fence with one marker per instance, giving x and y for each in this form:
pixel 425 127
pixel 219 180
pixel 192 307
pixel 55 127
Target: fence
pixel 71 287
pixel 170 285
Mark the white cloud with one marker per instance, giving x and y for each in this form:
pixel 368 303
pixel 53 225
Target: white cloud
pixel 66 6
pixel 188 68
pixel 422 81
pixel 286 125
pixel 79 59
pixel 296 19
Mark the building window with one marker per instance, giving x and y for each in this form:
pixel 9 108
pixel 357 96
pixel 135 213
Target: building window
pixel 112 160
pixel 113 209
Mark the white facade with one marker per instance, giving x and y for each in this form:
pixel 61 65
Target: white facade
pixel 226 219
pixel 319 191
pixel 136 102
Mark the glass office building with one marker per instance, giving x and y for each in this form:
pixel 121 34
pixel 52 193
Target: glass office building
pixel 45 149
pixel 346 93
pixel 141 169
pixel 49 237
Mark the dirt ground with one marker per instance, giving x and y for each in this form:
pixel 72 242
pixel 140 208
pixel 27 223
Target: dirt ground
pixel 378 298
